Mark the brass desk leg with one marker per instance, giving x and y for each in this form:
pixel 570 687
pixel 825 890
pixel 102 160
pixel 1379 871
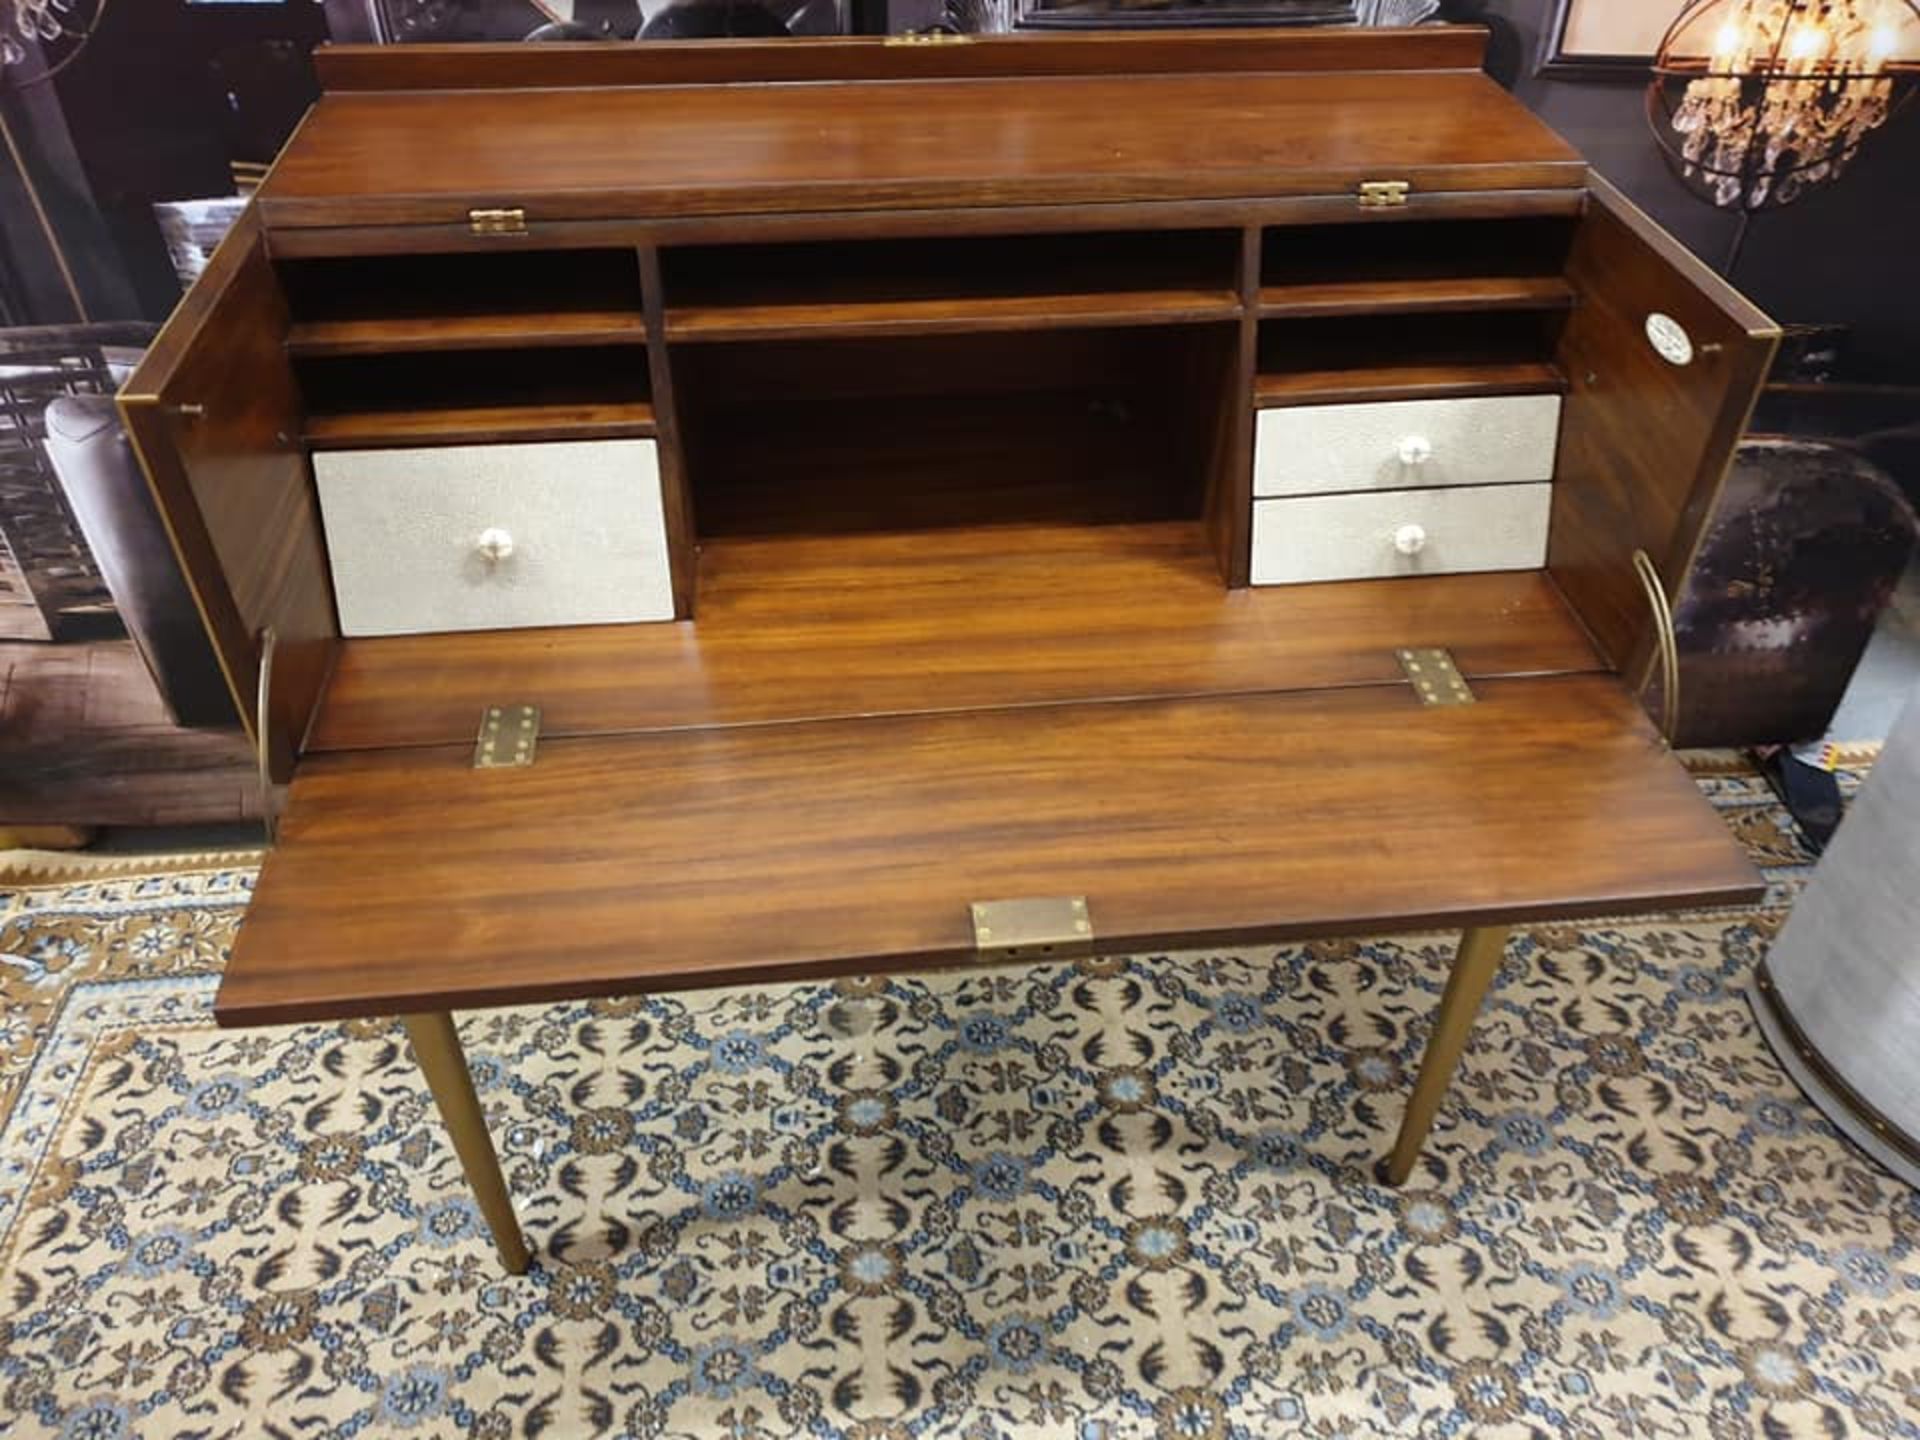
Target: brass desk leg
pixel 1473 970
pixel 436 1045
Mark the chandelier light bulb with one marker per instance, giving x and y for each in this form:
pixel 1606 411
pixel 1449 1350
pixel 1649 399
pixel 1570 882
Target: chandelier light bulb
pixel 1757 101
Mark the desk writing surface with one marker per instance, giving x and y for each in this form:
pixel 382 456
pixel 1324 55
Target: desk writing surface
pixel 404 880
pixel 641 153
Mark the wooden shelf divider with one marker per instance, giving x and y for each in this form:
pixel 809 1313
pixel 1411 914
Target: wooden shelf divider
pixel 481 424
pixel 402 334
pixel 1407 382
pixel 1413 297
pixel 948 315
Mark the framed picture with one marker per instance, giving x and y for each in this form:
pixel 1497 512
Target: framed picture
pixel 1605 39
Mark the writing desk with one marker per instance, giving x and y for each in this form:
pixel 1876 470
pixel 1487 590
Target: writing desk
pixel 948 504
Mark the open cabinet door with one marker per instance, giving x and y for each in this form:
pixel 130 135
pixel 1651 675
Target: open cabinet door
pixel 214 414
pixel 1664 361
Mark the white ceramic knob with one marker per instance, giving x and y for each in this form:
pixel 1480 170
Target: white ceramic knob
pixel 1416 450
pixel 1410 539
pixel 495 544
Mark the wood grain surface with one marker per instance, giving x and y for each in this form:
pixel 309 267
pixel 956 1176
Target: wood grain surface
pixel 407 881
pixel 801 58
pixel 214 413
pixel 422 158
pixel 1645 444
pixel 802 628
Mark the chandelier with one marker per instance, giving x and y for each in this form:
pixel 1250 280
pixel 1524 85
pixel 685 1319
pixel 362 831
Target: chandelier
pixel 1755 102
pixel 40 37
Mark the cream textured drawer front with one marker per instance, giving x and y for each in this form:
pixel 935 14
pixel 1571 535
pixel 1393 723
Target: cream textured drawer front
pixel 1490 440
pixel 495 537
pixel 1400 532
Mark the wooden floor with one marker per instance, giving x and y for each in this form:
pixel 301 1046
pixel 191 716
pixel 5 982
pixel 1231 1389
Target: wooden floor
pixel 85 740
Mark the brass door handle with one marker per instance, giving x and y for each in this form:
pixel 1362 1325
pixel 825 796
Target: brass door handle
pixel 1666 643
pixel 263 733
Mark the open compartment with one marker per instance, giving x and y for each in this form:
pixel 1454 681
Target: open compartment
pixel 373 304
pixel 720 292
pixel 476 396
pixel 1368 267
pixel 1071 427
pixel 1407 357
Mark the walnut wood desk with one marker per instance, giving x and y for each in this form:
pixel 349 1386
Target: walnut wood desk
pixel 1209 488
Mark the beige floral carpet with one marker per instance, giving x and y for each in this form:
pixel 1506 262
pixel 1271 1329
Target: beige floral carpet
pixel 1127 1198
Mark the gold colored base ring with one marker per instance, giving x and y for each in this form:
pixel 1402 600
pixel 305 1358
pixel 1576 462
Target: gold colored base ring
pixel 1883 1129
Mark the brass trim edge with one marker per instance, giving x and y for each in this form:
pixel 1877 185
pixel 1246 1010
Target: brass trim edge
pixel 1666 642
pixel 263 733
pixel 1883 1129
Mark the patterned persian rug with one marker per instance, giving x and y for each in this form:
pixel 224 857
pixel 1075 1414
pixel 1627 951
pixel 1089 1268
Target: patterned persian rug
pixel 1127 1198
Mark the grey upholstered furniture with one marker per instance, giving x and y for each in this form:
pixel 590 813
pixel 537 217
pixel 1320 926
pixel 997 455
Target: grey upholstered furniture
pixel 1839 995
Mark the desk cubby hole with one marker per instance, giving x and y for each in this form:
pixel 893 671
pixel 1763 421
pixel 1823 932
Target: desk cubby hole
pixel 1395 266
pixel 1407 357
pixel 466 300
pixel 948 284
pixel 934 433
pixel 476 396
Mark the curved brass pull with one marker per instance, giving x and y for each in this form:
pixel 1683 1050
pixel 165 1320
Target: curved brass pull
pixel 1665 641
pixel 263 733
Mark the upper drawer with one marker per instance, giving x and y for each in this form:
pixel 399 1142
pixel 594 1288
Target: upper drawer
pixel 1488 440
pixel 495 537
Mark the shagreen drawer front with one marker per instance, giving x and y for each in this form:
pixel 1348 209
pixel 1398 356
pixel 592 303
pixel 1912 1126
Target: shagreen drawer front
pixel 495 537
pixel 1492 440
pixel 1400 532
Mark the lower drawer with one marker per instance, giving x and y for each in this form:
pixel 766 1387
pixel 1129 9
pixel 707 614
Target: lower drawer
pixel 1400 532
pixel 495 537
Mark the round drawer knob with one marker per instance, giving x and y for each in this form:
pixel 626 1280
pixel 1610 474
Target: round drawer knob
pixel 495 544
pixel 1410 539
pixel 1416 450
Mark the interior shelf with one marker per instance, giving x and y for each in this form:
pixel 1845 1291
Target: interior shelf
pixel 805 626
pixel 1350 359
pixel 1410 297
pixel 412 303
pixel 477 397
pixel 897 287
pixel 1407 382
pixel 479 424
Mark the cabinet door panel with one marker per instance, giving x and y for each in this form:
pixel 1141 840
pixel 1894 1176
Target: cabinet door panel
pixel 215 415
pixel 1645 439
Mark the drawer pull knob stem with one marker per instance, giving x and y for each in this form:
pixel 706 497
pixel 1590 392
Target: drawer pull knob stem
pixel 1416 450
pixel 1410 539
pixel 495 544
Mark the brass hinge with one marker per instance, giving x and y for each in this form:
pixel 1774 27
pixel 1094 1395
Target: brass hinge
pixel 1434 677
pixel 927 37
pixel 508 734
pixel 1053 928
pixel 1383 194
pixel 497 222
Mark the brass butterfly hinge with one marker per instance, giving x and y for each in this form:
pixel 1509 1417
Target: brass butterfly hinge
pixel 508 734
pixel 1383 194
pixel 1434 677
pixel 926 37
pixel 497 222
pixel 1053 928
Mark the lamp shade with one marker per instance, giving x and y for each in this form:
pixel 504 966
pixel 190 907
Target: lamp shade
pixel 1756 102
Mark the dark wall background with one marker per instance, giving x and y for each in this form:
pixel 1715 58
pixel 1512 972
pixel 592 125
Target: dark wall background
pixel 1847 254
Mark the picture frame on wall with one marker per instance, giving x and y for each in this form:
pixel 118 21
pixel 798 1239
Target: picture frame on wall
pixel 1605 39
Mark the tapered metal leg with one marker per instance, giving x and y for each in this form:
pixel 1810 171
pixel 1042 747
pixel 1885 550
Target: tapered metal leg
pixel 1474 967
pixel 436 1045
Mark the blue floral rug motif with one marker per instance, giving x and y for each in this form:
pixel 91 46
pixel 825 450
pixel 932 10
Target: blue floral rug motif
pixel 1127 1197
